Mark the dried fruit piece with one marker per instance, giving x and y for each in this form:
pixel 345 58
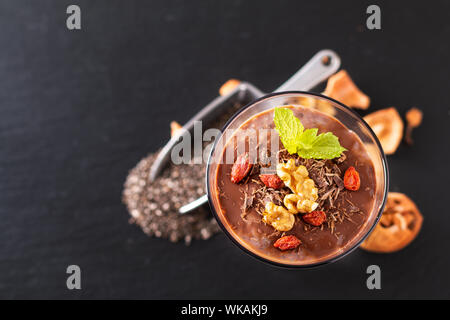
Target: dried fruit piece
pixel 175 128
pixel 287 242
pixel 228 86
pixel 315 218
pixel 351 179
pixel 240 168
pixel 414 119
pixel 388 126
pixel 398 227
pixel 342 88
pixel 271 181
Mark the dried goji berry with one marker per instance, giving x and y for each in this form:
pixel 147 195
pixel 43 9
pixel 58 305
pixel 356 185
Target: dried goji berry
pixel 315 218
pixel 287 242
pixel 351 179
pixel 271 180
pixel 240 168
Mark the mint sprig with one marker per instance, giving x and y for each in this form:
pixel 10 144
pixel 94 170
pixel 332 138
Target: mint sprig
pixel 306 143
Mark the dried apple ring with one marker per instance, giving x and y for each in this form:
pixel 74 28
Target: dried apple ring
pixel 175 128
pixel 228 86
pixel 342 88
pixel 388 126
pixel 414 119
pixel 398 227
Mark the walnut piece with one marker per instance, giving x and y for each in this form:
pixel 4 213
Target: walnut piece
pixel 304 190
pixel 295 204
pixel 278 217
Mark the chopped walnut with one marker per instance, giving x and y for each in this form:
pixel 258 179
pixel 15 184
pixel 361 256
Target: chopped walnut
pixel 304 189
pixel 278 217
pixel 295 204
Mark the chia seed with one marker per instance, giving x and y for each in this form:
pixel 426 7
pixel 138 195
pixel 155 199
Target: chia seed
pixel 153 206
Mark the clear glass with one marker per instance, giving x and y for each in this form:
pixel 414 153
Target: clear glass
pixel 335 109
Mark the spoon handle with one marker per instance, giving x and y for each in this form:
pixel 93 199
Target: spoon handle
pixel 321 66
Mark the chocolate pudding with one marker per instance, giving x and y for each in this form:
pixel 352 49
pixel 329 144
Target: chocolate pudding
pixel 276 211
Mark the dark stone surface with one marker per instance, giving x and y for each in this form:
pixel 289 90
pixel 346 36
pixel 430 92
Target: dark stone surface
pixel 79 109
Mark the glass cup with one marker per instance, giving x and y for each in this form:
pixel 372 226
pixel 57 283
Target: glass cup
pixel 338 111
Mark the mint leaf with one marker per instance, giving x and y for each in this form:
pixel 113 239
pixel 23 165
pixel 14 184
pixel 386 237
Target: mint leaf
pixel 289 128
pixel 307 139
pixel 306 143
pixel 324 146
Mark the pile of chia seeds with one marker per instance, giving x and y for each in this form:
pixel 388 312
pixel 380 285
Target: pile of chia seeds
pixel 154 205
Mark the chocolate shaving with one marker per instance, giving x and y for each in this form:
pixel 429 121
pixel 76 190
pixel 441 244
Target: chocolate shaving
pixel 341 159
pixel 259 194
pixel 247 203
pixel 337 179
pixel 327 177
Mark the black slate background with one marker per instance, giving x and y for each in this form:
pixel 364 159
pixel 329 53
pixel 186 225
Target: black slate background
pixel 80 108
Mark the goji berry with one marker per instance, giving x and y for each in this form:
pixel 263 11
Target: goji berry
pixel 287 242
pixel 315 218
pixel 271 180
pixel 351 179
pixel 240 168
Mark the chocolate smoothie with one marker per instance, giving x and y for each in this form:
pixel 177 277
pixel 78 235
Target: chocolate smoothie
pixel 341 197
